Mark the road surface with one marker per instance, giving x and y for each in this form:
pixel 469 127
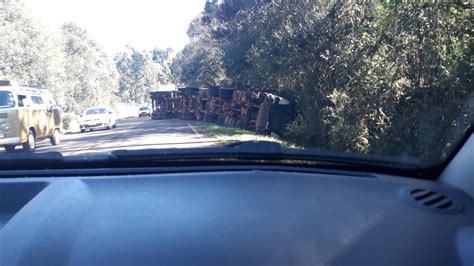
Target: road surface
pixel 133 134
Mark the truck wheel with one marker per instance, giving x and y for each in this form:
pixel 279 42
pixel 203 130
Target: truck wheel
pixel 55 138
pixel 30 144
pixel 83 130
pixel 9 148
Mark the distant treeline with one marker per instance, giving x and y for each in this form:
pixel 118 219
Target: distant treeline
pixel 74 66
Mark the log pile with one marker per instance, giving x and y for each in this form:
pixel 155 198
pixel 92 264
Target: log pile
pixel 251 110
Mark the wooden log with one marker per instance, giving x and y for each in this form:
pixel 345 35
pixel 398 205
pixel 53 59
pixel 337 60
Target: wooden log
pixel 199 115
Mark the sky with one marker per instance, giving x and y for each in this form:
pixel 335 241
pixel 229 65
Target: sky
pixel 144 24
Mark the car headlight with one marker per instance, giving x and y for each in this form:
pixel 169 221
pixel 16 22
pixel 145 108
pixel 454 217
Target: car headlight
pixel 5 126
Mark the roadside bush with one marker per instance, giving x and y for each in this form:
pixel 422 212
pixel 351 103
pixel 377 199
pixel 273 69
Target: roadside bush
pixel 380 77
pixel 70 121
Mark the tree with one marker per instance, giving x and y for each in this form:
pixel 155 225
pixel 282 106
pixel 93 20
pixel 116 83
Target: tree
pixel 201 61
pixel 370 77
pixel 142 72
pixel 90 75
pixel 70 63
pixel 163 60
pixel 28 54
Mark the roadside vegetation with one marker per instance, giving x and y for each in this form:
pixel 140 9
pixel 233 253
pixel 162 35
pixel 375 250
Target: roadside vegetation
pixel 381 77
pixel 228 135
pixel 73 65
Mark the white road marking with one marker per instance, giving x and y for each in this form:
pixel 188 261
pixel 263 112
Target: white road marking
pixel 194 130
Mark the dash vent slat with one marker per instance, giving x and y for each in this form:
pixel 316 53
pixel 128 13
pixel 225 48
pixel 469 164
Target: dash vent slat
pixel 433 200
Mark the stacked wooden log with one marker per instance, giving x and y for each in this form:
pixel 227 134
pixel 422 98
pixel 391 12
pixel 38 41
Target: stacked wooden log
pixel 249 110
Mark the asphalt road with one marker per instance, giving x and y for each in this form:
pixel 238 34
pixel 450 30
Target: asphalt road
pixel 133 134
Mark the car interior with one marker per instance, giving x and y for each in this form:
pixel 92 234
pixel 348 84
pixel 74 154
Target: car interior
pixel 193 213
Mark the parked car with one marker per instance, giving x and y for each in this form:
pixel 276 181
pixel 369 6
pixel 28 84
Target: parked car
pixel 98 118
pixel 27 115
pixel 144 111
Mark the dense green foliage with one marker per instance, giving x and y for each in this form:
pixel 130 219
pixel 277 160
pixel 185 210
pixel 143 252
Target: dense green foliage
pixel 89 77
pixel 69 62
pixel 73 65
pixel 378 77
pixel 142 72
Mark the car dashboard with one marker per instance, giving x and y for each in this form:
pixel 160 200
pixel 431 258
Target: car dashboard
pixel 234 217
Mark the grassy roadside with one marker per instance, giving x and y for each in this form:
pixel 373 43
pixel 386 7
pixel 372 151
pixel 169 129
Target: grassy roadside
pixel 230 134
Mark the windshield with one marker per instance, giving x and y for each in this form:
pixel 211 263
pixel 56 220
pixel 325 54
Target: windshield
pixel 97 111
pixel 384 79
pixel 6 99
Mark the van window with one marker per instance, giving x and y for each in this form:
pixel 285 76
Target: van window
pixel 37 100
pixel 6 99
pixel 21 100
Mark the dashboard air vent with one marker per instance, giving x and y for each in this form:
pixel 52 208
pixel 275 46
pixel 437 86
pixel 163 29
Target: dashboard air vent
pixel 433 200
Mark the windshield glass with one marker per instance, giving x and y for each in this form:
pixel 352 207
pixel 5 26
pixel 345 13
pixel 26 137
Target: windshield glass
pixel 6 99
pixel 97 111
pixel 385 79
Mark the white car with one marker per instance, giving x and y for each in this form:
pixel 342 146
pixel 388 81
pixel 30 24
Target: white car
pixel 98 117
pixel 144 111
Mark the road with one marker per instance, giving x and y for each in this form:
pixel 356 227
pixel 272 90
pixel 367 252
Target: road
pixel 133 134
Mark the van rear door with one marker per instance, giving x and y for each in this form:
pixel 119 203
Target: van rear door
pixel 53 114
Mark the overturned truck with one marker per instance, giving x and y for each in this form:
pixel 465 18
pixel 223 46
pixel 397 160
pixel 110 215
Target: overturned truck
pixel 258 111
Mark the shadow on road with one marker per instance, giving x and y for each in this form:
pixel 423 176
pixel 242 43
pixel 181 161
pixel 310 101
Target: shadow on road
pixel 134 134
pixel 150 145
